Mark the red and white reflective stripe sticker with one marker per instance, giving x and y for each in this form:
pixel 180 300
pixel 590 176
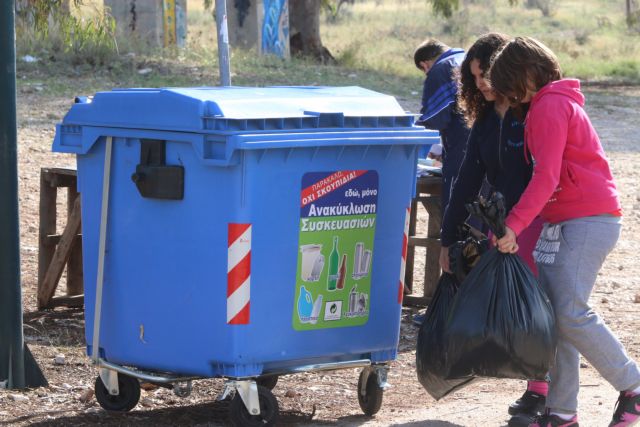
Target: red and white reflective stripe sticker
pixel 403 261
pixel 239 274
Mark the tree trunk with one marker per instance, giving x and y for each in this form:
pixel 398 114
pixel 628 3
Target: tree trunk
pixel 304 20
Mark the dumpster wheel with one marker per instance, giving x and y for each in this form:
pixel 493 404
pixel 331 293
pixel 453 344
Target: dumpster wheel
pixel 369 392
pixel 269 409
pixel 268 381
pixel 126 400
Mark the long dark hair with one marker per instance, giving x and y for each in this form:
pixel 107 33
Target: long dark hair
pixel 470 99
pixel 522 61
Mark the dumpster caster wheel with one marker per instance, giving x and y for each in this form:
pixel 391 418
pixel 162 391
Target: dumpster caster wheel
pixel 267 381
pixel 125 401
pixel 240 416
pixel 369 392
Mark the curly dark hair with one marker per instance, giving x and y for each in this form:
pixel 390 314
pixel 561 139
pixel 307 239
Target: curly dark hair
pixel 470 99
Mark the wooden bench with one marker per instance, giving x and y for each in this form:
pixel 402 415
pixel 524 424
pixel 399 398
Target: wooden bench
pixel 59 250
pixel 428 191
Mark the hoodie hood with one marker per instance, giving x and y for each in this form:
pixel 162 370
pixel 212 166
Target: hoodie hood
pixel 566 87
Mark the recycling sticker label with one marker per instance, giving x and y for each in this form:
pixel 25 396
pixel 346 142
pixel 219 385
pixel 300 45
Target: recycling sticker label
pixel 337 228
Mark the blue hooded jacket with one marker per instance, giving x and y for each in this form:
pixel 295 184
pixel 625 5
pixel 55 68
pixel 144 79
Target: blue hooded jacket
pixel 439 112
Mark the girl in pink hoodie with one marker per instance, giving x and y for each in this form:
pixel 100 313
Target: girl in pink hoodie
pixel 572 189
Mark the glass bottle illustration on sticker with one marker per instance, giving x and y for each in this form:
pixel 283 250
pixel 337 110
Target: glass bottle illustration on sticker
pixel 342 272
pixel 334 259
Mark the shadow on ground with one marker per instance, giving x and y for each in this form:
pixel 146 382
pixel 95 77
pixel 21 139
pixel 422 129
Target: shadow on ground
pixel 211 414
pixel 355 420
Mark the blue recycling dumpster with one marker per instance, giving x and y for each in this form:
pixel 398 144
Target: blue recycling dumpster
pixel 242 232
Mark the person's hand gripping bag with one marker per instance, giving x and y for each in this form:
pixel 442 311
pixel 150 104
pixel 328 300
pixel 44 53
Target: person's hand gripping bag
pixel 501 324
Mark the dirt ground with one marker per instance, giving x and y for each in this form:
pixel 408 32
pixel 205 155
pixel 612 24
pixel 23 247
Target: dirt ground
pixel 311 399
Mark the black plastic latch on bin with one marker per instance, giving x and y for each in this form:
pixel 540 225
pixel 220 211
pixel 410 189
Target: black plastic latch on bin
pixel 153 178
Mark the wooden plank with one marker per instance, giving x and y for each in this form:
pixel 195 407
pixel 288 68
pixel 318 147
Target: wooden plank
pixel 74 265
pixel 425 242
pixel 60 258
pixel 429 185
pixel 411 251
pixel 68 301
pixel 428 200
pixel 60 171
pixel 435 217
pixel 432 262
pixel 428 191
pixel 431 267
pixel 54 239
pixel 47 227
pixel 413 300
pixel 57 177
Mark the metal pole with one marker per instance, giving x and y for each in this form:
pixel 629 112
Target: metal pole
pixel 14 355
pixel 11 339
pixel 223 42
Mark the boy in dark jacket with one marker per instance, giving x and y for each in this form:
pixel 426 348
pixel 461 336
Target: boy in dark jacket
pixel 439 62
pixel 439 111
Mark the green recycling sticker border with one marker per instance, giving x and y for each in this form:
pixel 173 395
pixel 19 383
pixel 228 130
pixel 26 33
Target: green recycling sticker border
pixel 335 252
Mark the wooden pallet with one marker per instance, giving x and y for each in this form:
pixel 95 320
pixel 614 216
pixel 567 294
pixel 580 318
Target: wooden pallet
pixel 59 250
pixel 428 191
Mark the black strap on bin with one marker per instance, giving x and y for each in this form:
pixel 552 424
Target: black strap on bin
pixel 153 178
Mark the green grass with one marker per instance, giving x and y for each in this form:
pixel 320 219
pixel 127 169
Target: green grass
pixel 590 37
pixel 373 41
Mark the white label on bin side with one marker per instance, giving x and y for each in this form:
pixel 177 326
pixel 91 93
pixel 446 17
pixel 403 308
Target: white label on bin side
pixel 337 229
pixel 333 310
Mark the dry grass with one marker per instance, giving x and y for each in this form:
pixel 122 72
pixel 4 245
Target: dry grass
pixel 590 37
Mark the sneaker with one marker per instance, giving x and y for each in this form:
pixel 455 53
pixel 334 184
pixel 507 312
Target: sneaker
pixel 548 420
pixel 418 319
pixel 521 420
pixel 531 404
pixel 627 412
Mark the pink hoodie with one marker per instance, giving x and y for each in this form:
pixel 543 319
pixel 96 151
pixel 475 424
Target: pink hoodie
pixel 571 175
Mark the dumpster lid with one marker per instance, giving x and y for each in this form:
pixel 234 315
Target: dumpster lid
pixel 215 108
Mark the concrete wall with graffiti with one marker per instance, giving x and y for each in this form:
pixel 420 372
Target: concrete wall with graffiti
pixel 275 28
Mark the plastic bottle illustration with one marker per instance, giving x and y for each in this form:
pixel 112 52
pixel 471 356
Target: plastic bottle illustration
pixel 342 272
pixel 334 259
pixel 357 260
pixel 305 305
pixel 353 299
pixel 308 310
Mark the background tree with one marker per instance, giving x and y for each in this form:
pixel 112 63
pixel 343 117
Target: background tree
pixel 43 13
pixel 632 13
pixel 304 21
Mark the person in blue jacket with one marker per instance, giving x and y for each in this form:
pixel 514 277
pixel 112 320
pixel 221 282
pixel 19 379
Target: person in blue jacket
pixel 495 151
pixel 439 109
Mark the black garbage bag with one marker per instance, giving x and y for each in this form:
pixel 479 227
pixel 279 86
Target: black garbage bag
pixel 501 323
pixel 430 350
pixel 465 254
pixel 492 211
